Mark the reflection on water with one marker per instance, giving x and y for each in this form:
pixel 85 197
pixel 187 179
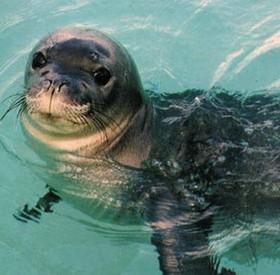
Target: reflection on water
pixel 249 233
pixel 222 150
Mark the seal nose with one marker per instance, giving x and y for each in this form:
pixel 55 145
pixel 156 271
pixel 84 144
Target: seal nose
pixel 58 84
pixel 65 86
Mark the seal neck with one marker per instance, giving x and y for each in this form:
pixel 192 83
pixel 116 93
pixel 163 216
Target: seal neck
pixel 134 145
pixel 128 144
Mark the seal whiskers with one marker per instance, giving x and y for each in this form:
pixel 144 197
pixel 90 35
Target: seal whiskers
pixel 18 102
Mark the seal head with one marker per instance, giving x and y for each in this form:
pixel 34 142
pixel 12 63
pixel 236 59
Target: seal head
pixel 84 95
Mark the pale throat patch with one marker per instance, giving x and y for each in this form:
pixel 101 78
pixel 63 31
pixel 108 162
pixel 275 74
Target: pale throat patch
pixel 86 143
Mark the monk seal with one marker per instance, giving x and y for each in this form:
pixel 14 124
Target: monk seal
pixel 84 95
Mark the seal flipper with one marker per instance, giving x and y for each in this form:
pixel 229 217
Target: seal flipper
pixel 44 204
pixel 181 236
pixel 177 249
pixel 175 255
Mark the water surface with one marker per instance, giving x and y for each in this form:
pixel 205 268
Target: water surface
pixel 177 45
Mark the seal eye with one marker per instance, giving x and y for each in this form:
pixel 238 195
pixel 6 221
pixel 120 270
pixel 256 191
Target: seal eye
pixel 101 76
pixel 39 61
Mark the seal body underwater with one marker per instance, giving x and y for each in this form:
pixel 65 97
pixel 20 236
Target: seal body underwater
pixel 84 99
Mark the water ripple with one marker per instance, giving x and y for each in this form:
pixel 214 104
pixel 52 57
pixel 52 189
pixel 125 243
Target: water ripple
pixel 11 21
pixel 11 61
pixel 223 67
pixel 72 6
pixel 271 43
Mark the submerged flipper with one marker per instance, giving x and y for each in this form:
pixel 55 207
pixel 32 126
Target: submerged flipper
pixel 181 236
pixel 177 252
pixel 44 204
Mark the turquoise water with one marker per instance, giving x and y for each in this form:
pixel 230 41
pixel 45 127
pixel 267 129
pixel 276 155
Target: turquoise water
pixel 177 45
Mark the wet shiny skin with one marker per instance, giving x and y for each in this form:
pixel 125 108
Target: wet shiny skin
pixel 82 76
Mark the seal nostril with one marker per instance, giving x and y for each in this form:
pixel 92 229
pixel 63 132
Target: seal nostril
pixel 47 83
pixel 63 83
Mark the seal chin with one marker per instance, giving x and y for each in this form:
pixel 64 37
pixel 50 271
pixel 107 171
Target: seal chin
pixel 53 125
pixel 69 137
pixel 54 113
